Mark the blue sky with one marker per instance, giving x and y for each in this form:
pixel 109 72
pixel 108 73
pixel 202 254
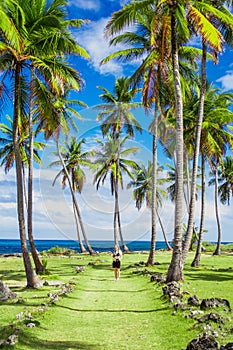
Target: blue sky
pixel 53 217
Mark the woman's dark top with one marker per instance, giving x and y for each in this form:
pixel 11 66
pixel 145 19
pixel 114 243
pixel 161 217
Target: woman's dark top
pixel 116 260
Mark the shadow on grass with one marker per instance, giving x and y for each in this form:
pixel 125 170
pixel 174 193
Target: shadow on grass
pixel 113 290
pixel 112 310
pixel 211 276
pixel 30 341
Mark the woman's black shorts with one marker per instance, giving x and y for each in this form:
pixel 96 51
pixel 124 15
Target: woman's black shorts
pixel 116 264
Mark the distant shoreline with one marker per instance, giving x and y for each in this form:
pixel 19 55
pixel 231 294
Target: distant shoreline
pixel 12 246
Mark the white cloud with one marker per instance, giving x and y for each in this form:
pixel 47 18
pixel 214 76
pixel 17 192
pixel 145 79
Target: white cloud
pixel 226 81
pixel 93 5
pixel 94 42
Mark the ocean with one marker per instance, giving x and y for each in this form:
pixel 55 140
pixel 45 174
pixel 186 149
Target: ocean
pixel 11 246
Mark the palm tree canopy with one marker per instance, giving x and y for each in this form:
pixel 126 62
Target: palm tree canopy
pixel 143 186
pixel 115 113
pixel 75 160
pixel 106 160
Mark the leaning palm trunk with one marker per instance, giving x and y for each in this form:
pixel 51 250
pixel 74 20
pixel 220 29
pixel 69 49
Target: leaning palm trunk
pixel 163 230
pixel 81 246
pixel 90 250
pixel 125 248
pixel 38 265
pixel 24 186
pixel 218 247
pixel 175 270
pixel 189 232
pixel 197 258
pixel 117 209
pixel 150 260
pixel 32 279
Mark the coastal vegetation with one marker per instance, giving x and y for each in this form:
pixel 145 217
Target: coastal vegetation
pixel 191 119
pixel 81 306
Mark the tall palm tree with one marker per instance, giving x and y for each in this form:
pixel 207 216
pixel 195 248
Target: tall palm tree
pixel 56 114
pixel 75 159
pixel 107 156
pixel 225 189
pixel 216 135
pixel 175 13
pixel 211 15
pixel 115 114
pixel 19 47
pixel 7 150
pixel 143 191
pixel 149 43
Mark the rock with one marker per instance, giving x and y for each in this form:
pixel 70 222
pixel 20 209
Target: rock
pixel 31 325
pixel 157 277
pixel 172 290
pixel 193 301
pixel 214 302
pixel 228 346
pixel 211 317
pixel 6 293
pixel 203 343
pixel 12 339
pixel 79 269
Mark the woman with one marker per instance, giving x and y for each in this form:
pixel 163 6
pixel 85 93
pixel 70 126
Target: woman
pixel 116 264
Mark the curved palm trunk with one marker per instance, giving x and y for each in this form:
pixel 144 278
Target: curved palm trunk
pixel 175 270
pixel 38 265
pixel 24 187
pixel 32 279
pixel 117 209
pixel 151 256
pixel 90 250
pixel 218 248
pixel 163 230
pixel 189 232
pixel 81 246
pixel 125 248
pixel 197 258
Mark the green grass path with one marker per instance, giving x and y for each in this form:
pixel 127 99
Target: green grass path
pixel 104 314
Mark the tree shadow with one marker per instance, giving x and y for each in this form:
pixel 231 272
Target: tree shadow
pixel 30 341
pixel 211 276
pixel 113 310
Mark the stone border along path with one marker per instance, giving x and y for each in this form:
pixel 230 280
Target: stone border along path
pixel 98 302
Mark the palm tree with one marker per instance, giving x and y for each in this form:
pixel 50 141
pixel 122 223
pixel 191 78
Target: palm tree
pixel 221 172
pixel 174 12
pixel 143 191
pixel 75 160
pixel 149 43
pixel 116 115
pixel 225 189
pixel 210 15
pixel 107 156
pixel 19 47
pixel 215 136
pixel 55 114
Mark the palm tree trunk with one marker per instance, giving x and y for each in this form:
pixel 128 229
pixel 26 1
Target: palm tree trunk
pixel 124 246
pixel 81 246
pixel 163 230
pixel 90 250
pixel 197 258
pixel 32 279
pixel 175 270
pixel 150 260
pixel 218 247
pixel 24 187
pixel 117 208
pixel 189 232
pixel 38 265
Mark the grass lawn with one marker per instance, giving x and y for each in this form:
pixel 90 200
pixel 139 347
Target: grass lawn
pixel 103 314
